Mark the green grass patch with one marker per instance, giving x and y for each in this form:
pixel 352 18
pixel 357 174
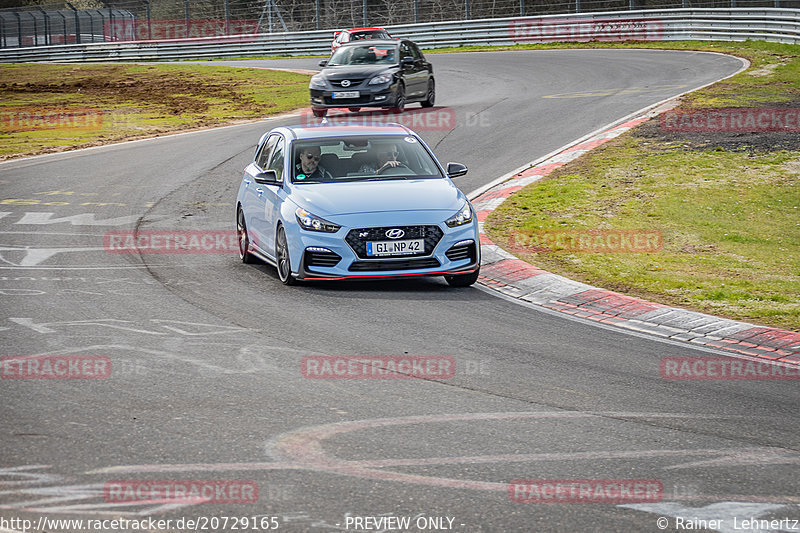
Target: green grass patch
pixel 726 204
pixel 46 108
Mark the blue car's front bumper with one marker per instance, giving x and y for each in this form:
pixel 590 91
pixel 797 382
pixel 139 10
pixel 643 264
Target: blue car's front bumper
pixel 342 255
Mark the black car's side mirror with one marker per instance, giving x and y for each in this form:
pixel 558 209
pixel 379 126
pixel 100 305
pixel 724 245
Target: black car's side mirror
pixel 323 62
pixel 268 177
pixel 455 170
pixel 408 60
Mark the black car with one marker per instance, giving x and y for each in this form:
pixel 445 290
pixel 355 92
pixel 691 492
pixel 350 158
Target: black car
pixel 379 73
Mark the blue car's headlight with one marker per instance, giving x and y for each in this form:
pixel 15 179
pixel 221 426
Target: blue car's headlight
pixel 378 80
pixel 464 216
pixel 311 222
pixel 317 83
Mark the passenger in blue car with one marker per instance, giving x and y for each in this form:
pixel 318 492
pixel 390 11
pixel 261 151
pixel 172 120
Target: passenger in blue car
pixel 308 168
pixel 386 157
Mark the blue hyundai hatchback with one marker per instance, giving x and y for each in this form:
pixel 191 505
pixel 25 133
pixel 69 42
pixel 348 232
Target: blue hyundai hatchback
pixel 333 203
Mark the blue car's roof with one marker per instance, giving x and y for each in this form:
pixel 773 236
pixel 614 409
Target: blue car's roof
pixel 323 131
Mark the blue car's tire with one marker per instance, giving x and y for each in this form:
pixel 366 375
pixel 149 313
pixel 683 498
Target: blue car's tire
pixel 462 280
pixel 284 263
pixel 243 238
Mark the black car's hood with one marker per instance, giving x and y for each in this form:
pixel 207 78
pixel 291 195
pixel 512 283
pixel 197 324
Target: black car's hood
pixel 356 71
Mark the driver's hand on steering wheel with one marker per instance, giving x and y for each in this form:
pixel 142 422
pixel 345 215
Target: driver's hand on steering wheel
pixel 390 164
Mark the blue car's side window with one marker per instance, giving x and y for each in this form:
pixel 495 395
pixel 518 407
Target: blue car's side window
pixel 276 161
pixel 262 158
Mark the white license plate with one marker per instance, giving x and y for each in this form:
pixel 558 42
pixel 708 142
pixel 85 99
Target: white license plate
pixel 346 94
pixel 410 246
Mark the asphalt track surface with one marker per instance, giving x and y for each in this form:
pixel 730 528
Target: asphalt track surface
pixel 206 381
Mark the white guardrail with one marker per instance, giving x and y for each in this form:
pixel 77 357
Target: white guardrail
pixel 734 24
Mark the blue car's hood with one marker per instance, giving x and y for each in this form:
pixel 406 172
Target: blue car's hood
pixel 330 199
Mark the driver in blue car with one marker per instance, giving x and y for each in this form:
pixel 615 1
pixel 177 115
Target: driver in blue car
pixel 309 168
pixel 386 157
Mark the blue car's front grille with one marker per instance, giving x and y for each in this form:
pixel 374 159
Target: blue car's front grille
pixel 394 264
pixel 358 238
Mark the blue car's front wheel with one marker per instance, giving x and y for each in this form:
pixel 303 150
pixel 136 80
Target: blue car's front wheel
pixel 244 239
pixel 284 263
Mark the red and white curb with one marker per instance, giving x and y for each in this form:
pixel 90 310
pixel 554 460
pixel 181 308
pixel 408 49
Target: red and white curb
pixel 513 277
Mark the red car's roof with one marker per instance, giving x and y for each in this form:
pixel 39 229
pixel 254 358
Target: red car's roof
pixel 365 29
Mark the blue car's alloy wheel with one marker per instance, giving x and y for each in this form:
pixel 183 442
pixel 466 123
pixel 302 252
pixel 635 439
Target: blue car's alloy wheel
pixel 282 255
pixel 244 240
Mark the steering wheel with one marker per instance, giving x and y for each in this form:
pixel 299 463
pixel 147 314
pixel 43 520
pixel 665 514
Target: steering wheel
pixel 399 169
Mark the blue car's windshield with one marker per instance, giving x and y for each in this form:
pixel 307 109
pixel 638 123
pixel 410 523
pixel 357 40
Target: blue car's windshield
pixel 366 54
pixel 361 159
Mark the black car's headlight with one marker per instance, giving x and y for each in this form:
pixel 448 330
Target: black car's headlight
pixel 381 79
pixel 311 222
pixel 464 216
pixel 317 83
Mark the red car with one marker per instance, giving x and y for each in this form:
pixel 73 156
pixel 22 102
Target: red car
pixel 345 36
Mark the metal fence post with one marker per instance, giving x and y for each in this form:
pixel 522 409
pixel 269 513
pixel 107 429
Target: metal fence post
pixel 364 12
pixel 64 23
pixel 19 29
pixel 77 23
pixel 521 8
pixel 47 39
pixel 227 18
pixel 317 13
pixel 577 6
pixel 466 9
pixel 186 15
pixel 416 11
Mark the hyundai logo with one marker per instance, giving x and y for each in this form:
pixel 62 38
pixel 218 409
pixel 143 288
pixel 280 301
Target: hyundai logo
pixel 345 83
pixel 395 233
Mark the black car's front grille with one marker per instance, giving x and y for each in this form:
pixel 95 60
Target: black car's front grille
pixel 394 264
pixel 344 102
pixel 354 82
pixel 459 253
pixel 321 259
pixel 358 238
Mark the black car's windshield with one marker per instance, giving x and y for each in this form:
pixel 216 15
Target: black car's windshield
pixel 387 157
pixel 366 54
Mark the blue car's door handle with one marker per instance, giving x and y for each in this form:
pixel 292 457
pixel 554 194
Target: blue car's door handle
pixel 260 191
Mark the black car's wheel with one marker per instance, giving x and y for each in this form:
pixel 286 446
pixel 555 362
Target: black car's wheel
pixel 319 112
pixel 354 109
pixel 282 256
pixel 462 280
pixel 244 239
pixel 400 101
pixel 430 96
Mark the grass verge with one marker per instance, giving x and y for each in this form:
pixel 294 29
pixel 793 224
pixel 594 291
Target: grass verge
pixel 46 108
pixel 727 203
